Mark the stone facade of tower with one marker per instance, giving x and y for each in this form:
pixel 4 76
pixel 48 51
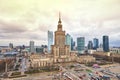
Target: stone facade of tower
pixel 60 51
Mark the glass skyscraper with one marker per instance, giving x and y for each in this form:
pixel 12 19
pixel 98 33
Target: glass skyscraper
pixel 90 45
pixel 11 45
pixel 68 40
pixel 72 44
pixel 105 43
pixel 50 40
pixel 32 49
pixel 95 43
pixel 80 44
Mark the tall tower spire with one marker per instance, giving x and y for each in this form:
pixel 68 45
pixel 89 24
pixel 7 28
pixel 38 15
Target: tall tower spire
pixel 59 22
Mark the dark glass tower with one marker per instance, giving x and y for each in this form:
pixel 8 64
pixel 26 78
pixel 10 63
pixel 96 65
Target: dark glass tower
pixel 106 43
pixel 72 44
pixel 95 43
pixel 90 45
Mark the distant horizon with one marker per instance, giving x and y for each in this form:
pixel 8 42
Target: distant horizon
pixel 25 20
pixel 36 44
pixel 47 45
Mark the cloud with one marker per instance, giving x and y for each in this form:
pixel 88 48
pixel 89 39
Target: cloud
pixel 26 20
pixel 15 32
pixel 11 27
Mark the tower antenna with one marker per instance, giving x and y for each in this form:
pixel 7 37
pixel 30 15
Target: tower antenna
pixel 59 17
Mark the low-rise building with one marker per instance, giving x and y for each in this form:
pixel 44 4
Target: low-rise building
pixel 40 60
pixel 85 59
pixel 115 50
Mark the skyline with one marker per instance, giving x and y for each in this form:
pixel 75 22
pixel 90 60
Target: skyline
pixel 23 21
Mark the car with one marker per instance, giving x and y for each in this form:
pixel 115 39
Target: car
pixel 118 76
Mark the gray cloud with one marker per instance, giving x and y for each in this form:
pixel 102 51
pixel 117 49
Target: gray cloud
pixel 11 27
pixel 79 18
pixel 43 27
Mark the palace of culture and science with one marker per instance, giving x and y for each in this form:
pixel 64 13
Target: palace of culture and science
pixel 60 52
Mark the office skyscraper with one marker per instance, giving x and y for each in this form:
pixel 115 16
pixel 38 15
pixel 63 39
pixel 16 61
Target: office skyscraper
pixel 50 40
pixel 72 44
pixel 105 43
pixel 11 45
pixel 32 49
pixel 68 40
pixel 80 44
pixel 90 45
pixel 95 43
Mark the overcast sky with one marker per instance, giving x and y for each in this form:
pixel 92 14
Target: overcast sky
pixel 25 20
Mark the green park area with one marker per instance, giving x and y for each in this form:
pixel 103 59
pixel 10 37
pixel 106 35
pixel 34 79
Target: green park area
pixel 42 69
